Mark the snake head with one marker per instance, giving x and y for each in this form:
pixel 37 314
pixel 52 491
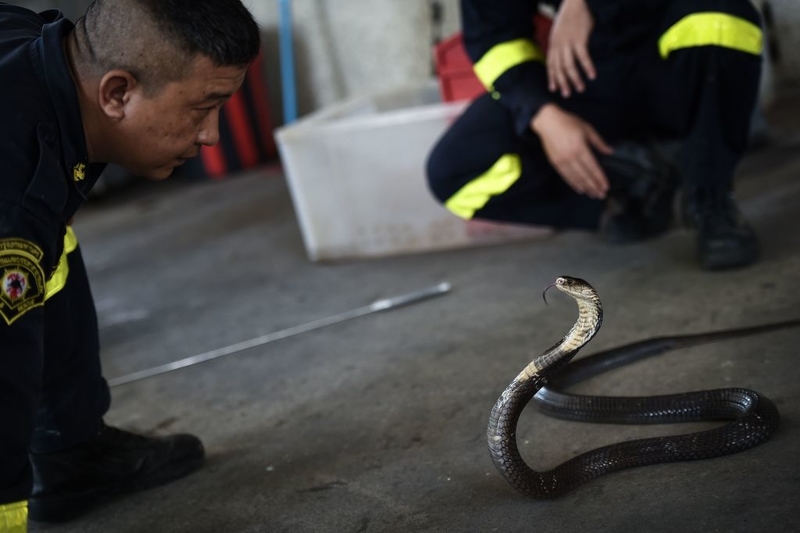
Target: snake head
pixel 575 287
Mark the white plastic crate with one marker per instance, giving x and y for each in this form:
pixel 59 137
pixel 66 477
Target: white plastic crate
pixel 356 172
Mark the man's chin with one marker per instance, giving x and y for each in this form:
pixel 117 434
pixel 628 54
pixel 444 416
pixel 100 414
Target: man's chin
pixel 158 174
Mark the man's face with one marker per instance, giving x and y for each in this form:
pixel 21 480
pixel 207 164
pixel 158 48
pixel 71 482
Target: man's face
pixel 162 131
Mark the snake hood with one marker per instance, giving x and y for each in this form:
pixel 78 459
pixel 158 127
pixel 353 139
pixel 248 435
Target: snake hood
pixel 590 318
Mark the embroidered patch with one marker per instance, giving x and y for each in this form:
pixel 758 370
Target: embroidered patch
pixel 79 172
pixel 22 280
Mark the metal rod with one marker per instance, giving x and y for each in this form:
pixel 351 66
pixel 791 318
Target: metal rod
pixel 384 304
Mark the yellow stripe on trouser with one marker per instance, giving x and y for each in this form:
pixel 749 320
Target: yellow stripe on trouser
pixel 14 517
pixel 712 29
pixel 502 57
pixel 475 194
pixel 59 278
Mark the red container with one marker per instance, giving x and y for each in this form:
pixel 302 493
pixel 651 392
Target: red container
pixel 457 81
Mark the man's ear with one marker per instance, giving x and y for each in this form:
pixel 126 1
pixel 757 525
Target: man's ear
pixel 116 88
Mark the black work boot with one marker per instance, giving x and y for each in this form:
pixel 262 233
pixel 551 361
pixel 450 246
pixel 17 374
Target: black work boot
pixel 724 238
pixel 641 195
pixel 69 482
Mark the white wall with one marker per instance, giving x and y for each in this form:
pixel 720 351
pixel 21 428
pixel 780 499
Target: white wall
pixel 349 47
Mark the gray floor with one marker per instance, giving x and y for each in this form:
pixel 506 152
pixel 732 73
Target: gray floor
pixel 378 424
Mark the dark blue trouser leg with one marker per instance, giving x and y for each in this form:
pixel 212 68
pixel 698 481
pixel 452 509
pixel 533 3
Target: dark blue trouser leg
pixel 74 394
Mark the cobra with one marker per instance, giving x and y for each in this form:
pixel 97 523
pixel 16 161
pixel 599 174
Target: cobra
pixel 752 417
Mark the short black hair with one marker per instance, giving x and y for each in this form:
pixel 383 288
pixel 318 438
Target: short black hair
pixel 156 40
pixel 223 30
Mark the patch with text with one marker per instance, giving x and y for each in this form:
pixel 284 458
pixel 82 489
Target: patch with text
pixel 22 282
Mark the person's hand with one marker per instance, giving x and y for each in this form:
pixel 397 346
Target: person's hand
pixel 568 48
pixel 568 141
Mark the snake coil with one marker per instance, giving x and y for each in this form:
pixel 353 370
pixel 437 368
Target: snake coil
pixel 752 417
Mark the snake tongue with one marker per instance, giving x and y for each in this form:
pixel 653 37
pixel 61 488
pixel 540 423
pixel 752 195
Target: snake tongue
pixel 544 293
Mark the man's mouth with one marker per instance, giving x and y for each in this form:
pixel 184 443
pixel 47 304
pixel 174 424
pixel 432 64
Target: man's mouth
pixel 183 159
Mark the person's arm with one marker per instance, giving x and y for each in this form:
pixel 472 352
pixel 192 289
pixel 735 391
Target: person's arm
pixel 498 37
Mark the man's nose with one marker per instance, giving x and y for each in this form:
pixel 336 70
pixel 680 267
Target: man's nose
pixel 209 133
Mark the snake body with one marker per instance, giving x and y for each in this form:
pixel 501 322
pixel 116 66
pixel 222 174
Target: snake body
pixel 752 417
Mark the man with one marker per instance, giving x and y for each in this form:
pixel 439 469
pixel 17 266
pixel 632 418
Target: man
pixel 572 141
pixel 138 83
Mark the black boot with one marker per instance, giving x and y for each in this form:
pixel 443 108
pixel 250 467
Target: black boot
pixel 724 238
pixel 641 196
pixel 69 482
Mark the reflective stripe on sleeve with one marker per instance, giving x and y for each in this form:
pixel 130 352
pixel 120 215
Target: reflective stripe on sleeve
pixel 14 517
pixel 495 181
pixel 59 278
pixel 712 29
pixel 502 57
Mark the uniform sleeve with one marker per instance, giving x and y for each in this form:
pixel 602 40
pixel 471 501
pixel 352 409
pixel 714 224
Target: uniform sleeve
pixel 31 245
pixel 33 189
pixel 27 252
pixel 22 294
pixel 498 37
pixel 30 249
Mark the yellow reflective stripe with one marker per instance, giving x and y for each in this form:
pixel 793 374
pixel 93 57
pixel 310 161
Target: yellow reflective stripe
pixel 475 194
pixel 14 517
pixel 717 29
pixel 59 278
pixel 502 57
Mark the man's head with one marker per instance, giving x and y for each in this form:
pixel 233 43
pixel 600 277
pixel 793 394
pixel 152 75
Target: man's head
pixel 153 75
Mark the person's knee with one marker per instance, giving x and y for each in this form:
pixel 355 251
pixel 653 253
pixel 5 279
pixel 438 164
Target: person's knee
pixel 439 172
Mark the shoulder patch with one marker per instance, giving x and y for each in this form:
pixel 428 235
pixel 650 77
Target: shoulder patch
pixel 22 282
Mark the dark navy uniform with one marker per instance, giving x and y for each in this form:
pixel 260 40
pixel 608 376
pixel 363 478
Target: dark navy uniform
pixel 666 69
pixel 52 395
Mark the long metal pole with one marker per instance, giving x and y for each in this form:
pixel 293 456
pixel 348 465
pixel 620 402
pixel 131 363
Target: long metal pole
pixel 384 304
pixel 285 38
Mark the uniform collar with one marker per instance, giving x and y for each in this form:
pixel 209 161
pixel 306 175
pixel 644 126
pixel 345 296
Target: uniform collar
pixel 65 102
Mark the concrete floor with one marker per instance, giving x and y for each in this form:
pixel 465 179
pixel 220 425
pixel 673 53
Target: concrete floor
pixel 378 424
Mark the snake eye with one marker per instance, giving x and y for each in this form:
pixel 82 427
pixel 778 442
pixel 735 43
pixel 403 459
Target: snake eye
pixel 560 281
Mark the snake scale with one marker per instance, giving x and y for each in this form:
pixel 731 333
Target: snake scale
pixel 752 417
